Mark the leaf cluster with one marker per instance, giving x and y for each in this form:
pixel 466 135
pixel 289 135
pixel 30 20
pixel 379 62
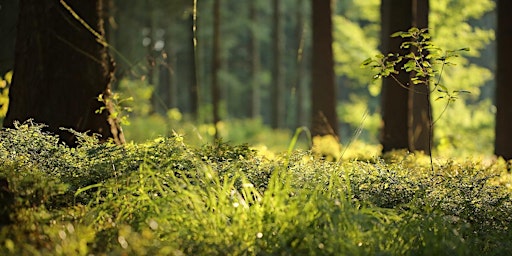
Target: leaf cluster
pixel 424 61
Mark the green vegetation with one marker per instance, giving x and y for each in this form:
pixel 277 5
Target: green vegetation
pixel 165 197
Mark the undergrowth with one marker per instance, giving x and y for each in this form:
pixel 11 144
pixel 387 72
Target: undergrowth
pixel 165 197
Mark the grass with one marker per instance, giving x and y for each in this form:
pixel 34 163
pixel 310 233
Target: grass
pixel 166 197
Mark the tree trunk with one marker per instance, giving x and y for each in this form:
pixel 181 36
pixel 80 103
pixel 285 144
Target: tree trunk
pixel 216 65
pixel 193 87
pixel 254 50
pixel 8 12
pixel 323 91
pixel 503 139
pixel 395 16
pixel 61 68
pixel 420 117
pixel 300 68
pixel 278 99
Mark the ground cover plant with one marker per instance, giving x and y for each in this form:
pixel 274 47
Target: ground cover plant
pixel 165 197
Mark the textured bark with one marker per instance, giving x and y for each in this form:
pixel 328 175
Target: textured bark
pixel 324 118
pixel 61 68
pixel 503 139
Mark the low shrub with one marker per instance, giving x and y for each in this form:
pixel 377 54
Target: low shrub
pixel 165 197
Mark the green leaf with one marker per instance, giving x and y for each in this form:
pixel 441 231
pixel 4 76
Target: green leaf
pixel 399 33
pixel 366 62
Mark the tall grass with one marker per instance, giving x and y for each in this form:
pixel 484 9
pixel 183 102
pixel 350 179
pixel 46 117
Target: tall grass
pixel 168 198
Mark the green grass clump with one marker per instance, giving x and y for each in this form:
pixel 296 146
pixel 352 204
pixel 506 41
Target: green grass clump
pixel 164 197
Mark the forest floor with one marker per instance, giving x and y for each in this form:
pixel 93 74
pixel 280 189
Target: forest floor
pixel 166 197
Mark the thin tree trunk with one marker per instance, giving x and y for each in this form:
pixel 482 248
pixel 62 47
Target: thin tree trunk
pixel 278 98
pixel 254 49
pixel 193 88
pixel 216 65
pixel 300 68
pixel 61 68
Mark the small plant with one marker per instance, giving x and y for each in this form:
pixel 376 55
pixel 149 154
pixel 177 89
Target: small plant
pixel 426 63
pixel 119 111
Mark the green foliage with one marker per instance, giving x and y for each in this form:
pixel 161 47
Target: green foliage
pixel 166 198
pixel 358 21
pixel 251 131
pixel 426 62
pixel 5 83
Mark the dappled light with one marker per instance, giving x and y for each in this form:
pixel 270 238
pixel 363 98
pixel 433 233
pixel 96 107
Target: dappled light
pixel 274 127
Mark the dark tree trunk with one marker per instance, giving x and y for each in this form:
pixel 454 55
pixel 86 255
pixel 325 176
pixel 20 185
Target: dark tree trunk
pixel 323 91
pixel 278 99
pixel 216 65
pixel 61 67
pixel 420 117
pixel 405 111
pixel 395 16
pixel 8 16
pixel 503 139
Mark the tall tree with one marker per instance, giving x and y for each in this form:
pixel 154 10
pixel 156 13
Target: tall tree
pixel 503 138
pixel 323 91
pixel 405 111
pixel 216 65
pixel 420 111
pixel 278 99
pixel 8 12
pixel 254 49
pixel 193 87
pixel 300 32
pixel 61 67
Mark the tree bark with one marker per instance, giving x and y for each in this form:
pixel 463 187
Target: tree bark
pixel 395 16
pixel 323 91
pixel 503 139
pixel 406 112
pixel 61 67
pixel 420 117
pixel 216 65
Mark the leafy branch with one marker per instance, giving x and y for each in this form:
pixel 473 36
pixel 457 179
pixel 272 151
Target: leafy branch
pixel 425 62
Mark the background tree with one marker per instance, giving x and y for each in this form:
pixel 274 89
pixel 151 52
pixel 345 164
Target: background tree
pixel 405 107
pixel 8 12
pixel 254 49
pixel 395 16
pixel 420 128
pixel 216 65
pixel 278 87
pixel 503 140
pixel 323 92
pixel 61 67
